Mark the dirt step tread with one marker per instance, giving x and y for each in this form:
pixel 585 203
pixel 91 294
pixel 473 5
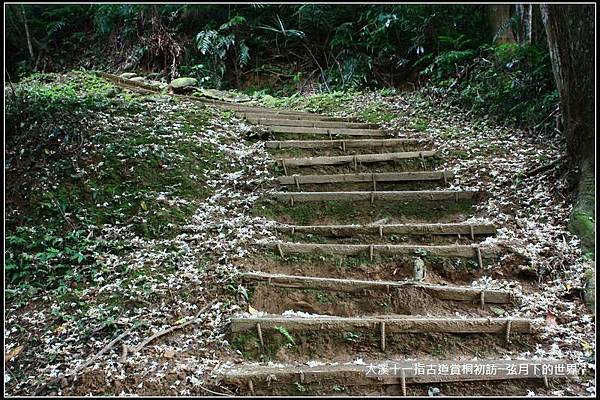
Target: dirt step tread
pixel 393 324
pixel 442 292
pixel 464 228
pixel 367 177
pixel 310 123
pixel 378 195
pixel 348 144
pixel 358 158
pixel 297 116
pixel 355 373
pixel 326 131
pixel 473 250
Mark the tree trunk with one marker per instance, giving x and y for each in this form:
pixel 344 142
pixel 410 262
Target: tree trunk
pixel 570 30
pixel 28 36
pixel 499 20
pixel 524 13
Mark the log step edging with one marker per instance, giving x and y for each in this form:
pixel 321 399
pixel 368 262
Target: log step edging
pixel 400 372
pixel 374 177
pixel 441 292
pixel 356 159
pixel 343 144
pixel 467 229
pixel 393 324
pixel 466 251
pixel 430 195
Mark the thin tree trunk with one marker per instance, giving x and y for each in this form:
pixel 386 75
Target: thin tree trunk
pixel 524 12
pixel 27 35
pixel 570 30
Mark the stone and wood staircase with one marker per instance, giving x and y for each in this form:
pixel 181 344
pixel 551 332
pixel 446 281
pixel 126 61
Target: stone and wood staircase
pixel 324 160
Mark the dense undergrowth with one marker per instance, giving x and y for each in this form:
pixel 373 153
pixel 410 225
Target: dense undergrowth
pixel 295 50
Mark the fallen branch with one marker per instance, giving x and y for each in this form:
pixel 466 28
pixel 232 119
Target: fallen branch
pixel 172 328
pixel 542 168
pixel 88 362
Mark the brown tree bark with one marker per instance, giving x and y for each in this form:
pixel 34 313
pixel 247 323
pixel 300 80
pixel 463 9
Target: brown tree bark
pixel 570 30
pixel 525 15
pixel 499 20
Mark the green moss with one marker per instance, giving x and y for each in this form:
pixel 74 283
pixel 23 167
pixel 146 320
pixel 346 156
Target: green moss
pixel 583 225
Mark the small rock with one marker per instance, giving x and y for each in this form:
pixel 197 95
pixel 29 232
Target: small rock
pixel 497 310
pixel 433 391
pixel 137 79
pixel 169 354
pixel 419 268
pixel 128 75
pixel 182 84
pixel 224 95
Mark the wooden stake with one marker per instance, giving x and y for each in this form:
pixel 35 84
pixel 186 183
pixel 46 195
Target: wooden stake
pixel 298 187
pixel 292 200
pixel 251 387
pixel 355 163
pixel 546 384
pixel 284 167
pixel 344 146
pixel 445 177
pixel 374 182
pixel 371 252
pixel 479 258
pixel 482 298
pixel 472 232
pixel 280 250
pixel 382 336
pixel 403 381
pixel 381 231
pixel 508 327
pixel 260 336
pixel 372 197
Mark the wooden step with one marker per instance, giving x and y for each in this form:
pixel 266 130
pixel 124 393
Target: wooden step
pixel 367 177
pixel 393 324
pixel 300 116
pixel 326 131
pixel 355 159
pixel 466 251
pixel 405 195
pixel 311 123
pixel 467 229
pixel 345 144
pixel 463 228
pixel 399 372
pixel 441 292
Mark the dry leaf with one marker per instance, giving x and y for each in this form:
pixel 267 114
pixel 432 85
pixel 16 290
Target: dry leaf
pixel 14 352
pixel 550 319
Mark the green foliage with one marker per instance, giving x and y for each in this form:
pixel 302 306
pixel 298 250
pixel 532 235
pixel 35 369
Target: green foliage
pixel 92 175
pixel 217 46
pixel 286 334
pixel 350 46
pixel 511 83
